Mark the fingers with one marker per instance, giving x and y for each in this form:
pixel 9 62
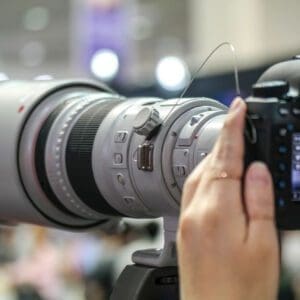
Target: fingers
pixel 228 152
pixel 225 167
pixel 259 202
pixel 192 182
pixel 226 159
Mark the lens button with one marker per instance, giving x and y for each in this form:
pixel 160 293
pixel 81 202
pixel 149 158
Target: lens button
pixel 118 158
pixel 121 136
pixel 281 202
pixel 195 120
pixel 282 149
pixel 282 167
pixel 296 112
pixel 281 184
pixel 180 170
pixel 283 111
pixel 283 132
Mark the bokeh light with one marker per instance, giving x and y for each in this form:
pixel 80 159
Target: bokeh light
pixel 105 64
pixel 172 73
pixel 36 18
pixel 3 77
pixel 33 54
pixel 43 77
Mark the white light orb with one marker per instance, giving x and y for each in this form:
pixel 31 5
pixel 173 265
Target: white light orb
pixel 33 54
pixel 36 18
pixel 172 73
pixel 43 77
pixel 3 77
pixel 105 64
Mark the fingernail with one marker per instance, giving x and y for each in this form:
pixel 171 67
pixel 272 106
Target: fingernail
pixel 258 173
pixel 236 104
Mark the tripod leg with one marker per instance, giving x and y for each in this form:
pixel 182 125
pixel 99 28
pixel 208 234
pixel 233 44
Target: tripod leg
pixel 147 283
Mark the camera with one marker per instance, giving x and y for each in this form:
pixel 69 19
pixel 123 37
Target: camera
pixel 74 154
pixel 274 135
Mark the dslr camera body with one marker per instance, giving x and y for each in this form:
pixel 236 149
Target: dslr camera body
pixel 273 136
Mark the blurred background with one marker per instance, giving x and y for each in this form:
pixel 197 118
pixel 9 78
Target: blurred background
pixel 139 47
pixel 147 47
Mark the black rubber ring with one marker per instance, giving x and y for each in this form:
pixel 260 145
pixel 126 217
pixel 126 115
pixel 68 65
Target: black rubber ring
pixel 79 157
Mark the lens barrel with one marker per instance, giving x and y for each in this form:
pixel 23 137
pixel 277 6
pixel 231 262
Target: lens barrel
pixel 72 157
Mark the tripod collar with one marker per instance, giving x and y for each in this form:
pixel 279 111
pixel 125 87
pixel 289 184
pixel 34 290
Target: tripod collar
pixel 165 257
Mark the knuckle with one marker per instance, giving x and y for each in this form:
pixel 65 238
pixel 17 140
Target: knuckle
pixel 187 186
pixel 187 225
pixel 202 224
pixel 191 181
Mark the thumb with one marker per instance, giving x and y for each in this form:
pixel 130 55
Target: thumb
pixel 259 202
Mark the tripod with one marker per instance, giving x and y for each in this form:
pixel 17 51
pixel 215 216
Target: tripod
pixel 154 276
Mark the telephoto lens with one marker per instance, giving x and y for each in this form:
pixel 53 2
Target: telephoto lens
pixel 75 155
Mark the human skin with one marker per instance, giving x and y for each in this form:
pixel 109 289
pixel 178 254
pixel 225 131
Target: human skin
pixel 227 241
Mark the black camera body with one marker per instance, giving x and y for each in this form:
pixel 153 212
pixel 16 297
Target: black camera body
pixel 273 136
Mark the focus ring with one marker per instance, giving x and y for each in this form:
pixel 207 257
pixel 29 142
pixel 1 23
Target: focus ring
pixel 79 157
pixel 55 153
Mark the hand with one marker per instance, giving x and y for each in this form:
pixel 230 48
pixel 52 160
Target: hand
pixel 227 241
